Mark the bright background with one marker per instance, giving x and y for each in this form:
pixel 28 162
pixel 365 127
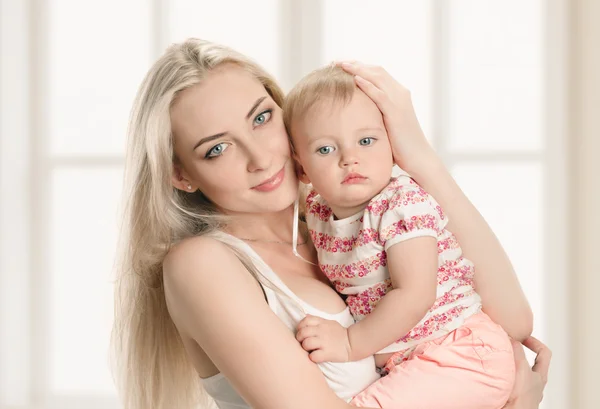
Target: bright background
pixel 507 91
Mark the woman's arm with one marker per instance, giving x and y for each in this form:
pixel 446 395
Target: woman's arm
pixel 214 300
pixel 495 279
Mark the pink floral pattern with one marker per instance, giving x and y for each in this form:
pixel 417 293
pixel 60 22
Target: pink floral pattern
pixel 449 243
pixel 421 222
pixel 333 244
pixel 456 270
pixel 360 268
pixel 319 210
pixel 362 304
pixel 432 323
pixel 402 198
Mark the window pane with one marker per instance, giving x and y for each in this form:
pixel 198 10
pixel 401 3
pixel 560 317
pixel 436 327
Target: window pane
pixel 510 197
pixel 98 53
pixel 82 243
pixel 251 27
pixel 395 34
pixel 496 75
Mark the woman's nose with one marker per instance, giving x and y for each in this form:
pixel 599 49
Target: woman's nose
pixel 259 157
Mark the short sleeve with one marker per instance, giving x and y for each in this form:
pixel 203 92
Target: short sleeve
pixel 316 209
pixel 409 212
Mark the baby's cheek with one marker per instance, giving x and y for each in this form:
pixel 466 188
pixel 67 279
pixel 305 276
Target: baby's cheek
pixel 320 169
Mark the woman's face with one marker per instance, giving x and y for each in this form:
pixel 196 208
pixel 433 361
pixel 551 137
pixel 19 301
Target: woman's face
pixel 232 145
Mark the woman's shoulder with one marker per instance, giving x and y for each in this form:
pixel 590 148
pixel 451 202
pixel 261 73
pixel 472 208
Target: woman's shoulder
pixel 196 257
pixel 200 271
pixel 195 248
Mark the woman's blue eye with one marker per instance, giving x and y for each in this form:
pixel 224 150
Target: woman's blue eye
pixel 216 150
pixel 263 117
pixel 325 150
pixel 366 141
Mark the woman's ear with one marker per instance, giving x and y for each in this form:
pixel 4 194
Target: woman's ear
pixel 179 181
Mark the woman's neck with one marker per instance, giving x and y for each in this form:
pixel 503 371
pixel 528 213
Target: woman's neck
pixel 273 226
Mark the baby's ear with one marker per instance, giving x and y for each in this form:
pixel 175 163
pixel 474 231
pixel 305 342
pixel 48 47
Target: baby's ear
pixel 303 177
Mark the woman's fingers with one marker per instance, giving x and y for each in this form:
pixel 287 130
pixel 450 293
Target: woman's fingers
pixel 374 74
pixel 534 344
pixel 528 387
pixel 340 62
pixel 373 92
pixel 543 356
pixel 519 354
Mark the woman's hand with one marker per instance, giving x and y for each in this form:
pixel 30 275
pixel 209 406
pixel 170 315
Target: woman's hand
pixel 529 382
pixel 409 145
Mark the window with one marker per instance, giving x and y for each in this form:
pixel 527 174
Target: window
pixel 483 76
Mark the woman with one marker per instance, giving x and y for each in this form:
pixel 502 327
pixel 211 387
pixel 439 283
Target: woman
pixel 210 187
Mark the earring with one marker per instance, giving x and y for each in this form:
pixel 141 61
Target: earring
pixel 189 186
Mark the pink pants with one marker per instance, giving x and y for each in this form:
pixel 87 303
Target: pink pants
pixel 471 367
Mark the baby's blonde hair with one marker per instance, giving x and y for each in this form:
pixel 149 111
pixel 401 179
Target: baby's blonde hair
pixel 326 83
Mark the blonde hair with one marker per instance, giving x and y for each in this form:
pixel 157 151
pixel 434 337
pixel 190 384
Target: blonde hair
pixel 326 83
pixel 152 369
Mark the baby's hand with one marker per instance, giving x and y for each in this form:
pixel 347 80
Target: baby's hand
pixel 327 341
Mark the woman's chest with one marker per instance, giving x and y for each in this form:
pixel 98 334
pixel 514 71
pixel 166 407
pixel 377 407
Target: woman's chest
pixel 305 280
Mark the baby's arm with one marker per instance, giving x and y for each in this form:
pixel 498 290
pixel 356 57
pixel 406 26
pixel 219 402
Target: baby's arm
pixel 413 268
pixel 215 301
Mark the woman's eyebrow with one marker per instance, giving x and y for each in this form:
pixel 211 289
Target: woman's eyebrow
pixel 216 136
pixel 208 139
pixel 256 104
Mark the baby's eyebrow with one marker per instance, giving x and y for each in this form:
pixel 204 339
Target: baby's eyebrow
pixel 370 129
pixel 311 140
pixel 314 139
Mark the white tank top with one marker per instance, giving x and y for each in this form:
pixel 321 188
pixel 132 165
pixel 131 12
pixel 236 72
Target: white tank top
pixel 346 379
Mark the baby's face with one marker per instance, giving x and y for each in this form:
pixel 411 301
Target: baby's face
pixel 344 152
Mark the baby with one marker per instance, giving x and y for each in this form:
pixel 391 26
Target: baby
pixel 382 241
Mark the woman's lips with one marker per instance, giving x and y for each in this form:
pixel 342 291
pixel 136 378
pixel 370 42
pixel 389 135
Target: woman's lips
pixel 272 183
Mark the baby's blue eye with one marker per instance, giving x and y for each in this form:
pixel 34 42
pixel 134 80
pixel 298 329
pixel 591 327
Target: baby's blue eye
pixel 366 141
pixel 325 150
pixel 263 117
pixel 216 150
